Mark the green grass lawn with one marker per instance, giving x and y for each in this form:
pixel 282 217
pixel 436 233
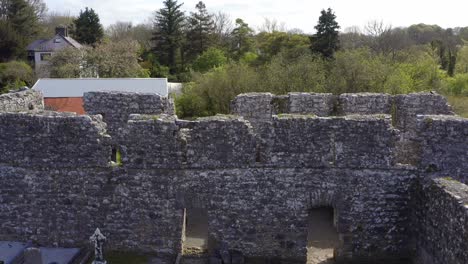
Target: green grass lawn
pixel 459 104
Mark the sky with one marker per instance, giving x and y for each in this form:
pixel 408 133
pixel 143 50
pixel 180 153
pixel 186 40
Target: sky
pixel 300 14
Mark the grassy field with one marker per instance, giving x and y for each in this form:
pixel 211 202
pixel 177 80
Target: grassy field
pixel 459 104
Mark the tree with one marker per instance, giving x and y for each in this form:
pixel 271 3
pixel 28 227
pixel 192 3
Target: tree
pixel 168 33
pixel 326 41
pixel 210 59
pixel 88 29
pixel 270 44
pixel 242 36
pixel 200 31
pixel 53 20
pixel 18 26
pixel 116 59
pixel 223 27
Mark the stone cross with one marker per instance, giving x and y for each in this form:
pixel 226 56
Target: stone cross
pixel 98 240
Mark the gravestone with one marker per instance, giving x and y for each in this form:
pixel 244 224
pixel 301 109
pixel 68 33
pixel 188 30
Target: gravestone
pixel 98 240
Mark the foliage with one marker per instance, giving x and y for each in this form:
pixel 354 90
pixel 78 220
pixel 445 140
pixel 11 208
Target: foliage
pixel 459 104
pixel 457 85
pixel 87 27
pixel 325 41
pixel 14 74
pixel 270 44
pixel 53 20
pixel 357 70
pixel 18 26
pixel 242 37
pixel 200 32
pixel 117 59
pixel 168 34
pixel 209 59
pixel 69 63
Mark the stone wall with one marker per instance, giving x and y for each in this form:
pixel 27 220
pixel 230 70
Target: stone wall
pixel 364 104
pixel 257 176
pixel 116 107
pixel 444 146
pixel 305 141
pixel 23 100
pixel 442 222
pixel 53 140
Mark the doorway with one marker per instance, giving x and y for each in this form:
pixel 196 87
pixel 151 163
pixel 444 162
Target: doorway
pixel 322 237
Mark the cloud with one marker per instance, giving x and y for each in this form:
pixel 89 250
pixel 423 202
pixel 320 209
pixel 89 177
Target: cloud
pixel 301 14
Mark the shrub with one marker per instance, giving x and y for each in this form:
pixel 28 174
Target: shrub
pixel 15 74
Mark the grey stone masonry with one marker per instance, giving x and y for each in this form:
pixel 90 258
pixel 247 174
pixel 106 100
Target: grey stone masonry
pixel 253 105
pixel 54 140
pixel 22 100
pixel 307 141
pixel 408 106
pixel 364 104
pixel 256 175
pixel 320 104
pixel 442 222
pixel 116 107
pixel 444 145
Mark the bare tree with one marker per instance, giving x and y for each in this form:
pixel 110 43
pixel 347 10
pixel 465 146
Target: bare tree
pixel 223 28
pixel 120 30
pixel 272 25
pixel 223 24
pixel 40 8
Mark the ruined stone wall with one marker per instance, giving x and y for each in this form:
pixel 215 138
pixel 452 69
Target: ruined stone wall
pixel 256 207
pixel 23 100
pixel 444 146
pixel 404 108
pixel 53 140
pixel 364 104
pixel 442 222
pixel 116 107
pixel 257 176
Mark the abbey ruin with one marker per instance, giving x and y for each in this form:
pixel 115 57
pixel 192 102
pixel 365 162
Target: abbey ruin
pixel 392 169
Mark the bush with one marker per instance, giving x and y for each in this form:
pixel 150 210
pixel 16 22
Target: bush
pixel 209 59
pixel 15 74
pixel 457 85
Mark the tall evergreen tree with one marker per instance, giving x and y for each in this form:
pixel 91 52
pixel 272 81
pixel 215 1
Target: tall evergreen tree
pixel 168 33
pixel 18 26
pixel 88 29
pixel 242 36
pixel 200 31
pixel 325 41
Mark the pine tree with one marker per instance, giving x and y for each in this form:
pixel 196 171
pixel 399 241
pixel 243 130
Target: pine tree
pixel 88 29
pixel 242 38
pixel 200 31
pixel 18 26
pixel 325 41
pixel 168 34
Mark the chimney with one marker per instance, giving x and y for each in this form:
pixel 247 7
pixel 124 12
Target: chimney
pixel 62 31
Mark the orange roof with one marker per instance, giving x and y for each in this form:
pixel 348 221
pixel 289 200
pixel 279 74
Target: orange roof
pixel 65 104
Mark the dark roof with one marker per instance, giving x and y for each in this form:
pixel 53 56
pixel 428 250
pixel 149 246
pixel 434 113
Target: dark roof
pixel 51 45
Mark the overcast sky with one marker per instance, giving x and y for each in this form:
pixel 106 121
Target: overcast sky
pixel 302 14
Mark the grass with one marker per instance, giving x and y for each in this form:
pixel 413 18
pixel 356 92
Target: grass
pixel 459 104
pixel 117 257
